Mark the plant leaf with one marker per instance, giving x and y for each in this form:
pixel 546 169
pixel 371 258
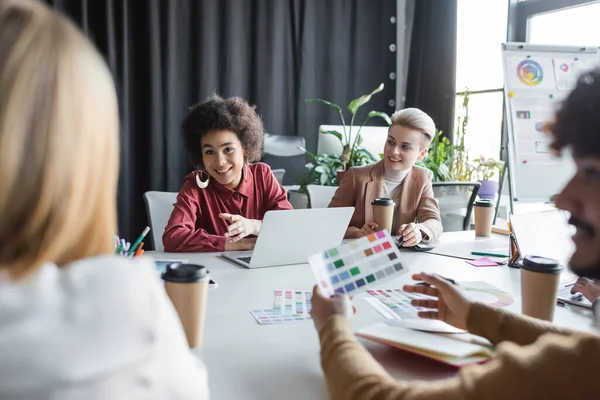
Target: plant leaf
pixel 334 133
pixel 324 179
pixel 368 154
pixel 330 104
pixel 362 100
pixel 380 115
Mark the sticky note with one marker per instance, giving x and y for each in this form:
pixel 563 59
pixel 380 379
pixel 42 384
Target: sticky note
pixel 483 262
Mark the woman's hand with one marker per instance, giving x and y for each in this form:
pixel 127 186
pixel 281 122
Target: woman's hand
pixel 451 306
pixel 411 235
pixel 240 245
pixel 324 308
pixel 367 229
pixel 240 227
pixel 588 288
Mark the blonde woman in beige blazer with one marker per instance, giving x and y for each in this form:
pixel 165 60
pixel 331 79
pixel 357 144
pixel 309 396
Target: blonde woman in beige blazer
pixel 416 213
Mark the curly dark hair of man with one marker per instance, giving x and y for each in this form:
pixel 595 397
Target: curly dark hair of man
pixel 217 113
pixel 577 122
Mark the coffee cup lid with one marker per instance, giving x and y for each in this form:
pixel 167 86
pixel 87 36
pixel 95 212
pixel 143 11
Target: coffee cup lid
pixel 541 264
pixel 184 273
pixel 382 201
pixel 483 203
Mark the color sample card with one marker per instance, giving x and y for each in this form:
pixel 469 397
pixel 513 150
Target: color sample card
pixel 291 302
pixel 486 293
pixel 288 306
pixel 358 264
pixel 395 303
pixel 266 317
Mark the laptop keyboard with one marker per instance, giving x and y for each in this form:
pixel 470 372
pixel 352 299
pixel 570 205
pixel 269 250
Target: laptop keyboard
pixel 245 259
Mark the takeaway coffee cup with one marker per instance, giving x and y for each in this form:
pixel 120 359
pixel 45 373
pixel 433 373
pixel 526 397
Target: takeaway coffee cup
pixel 187 287
pixel 484 217
pixel 383 213
pixel 539 284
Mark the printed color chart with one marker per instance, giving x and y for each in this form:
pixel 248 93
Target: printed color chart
pixel 357 265
pixel 395 303
pixel 288 306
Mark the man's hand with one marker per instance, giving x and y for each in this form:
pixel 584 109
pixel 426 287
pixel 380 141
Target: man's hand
pixel 590 289
pixel 451 306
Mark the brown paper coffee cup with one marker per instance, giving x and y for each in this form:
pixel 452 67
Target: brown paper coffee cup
pixel 383 213
pixel 539 285
pixel 484 217
pixel 187 287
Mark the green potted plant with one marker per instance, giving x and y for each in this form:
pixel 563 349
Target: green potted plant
pixel 320 170
pixel 353 154
pixel 450 161
pixel 485 169
pixel 439 158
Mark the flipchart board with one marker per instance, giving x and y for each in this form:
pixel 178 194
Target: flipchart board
pixel 536 79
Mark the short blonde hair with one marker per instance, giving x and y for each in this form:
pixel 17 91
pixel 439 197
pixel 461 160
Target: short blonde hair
pixel 58 142
pixel 415 119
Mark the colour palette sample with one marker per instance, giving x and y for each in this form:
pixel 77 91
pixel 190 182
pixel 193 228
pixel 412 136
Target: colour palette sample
pixel 484 292
pixel 267 317
pixel 288 306
pixel 291 302
pixel 357 265
pixel 395 303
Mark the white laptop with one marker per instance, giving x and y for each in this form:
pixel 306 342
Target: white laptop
pixel 290 236
pixel 548 233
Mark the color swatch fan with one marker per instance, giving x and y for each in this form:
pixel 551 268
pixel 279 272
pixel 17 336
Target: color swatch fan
pixel 358 264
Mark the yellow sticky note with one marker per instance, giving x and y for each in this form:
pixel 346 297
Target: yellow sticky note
pixel 511 94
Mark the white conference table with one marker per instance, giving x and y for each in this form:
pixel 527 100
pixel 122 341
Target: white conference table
pixel 251 361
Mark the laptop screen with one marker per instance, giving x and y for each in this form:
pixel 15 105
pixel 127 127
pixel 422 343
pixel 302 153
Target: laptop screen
pixel 546 234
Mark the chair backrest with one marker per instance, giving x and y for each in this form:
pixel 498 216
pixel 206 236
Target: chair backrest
pixel 159 206
pixel 279 173
pixel 456 203
pixel 320 196
pixel 285 152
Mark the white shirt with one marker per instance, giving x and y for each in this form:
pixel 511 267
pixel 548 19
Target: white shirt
pixel 392 181
pixel 100 328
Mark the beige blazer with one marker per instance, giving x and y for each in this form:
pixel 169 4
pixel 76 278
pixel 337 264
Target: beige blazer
pixel 361 185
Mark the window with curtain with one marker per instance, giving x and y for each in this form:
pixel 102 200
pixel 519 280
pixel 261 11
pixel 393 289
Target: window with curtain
pixel 480 33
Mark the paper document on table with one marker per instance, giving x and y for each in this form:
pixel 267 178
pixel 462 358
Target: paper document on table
pixel 444 348
pixel 288 306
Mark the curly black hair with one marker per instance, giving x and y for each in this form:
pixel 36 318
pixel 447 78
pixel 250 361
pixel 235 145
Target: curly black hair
pixel 217 113
pixel 577 121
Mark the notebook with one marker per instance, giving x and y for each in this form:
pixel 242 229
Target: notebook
pixel 452 349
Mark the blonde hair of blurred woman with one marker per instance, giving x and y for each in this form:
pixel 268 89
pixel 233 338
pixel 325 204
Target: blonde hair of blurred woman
pixel 416 119
pixel 58 142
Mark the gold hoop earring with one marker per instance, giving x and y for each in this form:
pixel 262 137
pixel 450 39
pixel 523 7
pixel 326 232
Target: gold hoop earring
pixel 201 184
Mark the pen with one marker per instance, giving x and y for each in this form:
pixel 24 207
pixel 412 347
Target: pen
pixel 452 281
pixel 139 240
pixel 485 253
pixel 139 250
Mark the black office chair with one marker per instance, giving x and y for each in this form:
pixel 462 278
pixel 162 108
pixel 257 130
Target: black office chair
pixel 456 203
pixel 285 152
